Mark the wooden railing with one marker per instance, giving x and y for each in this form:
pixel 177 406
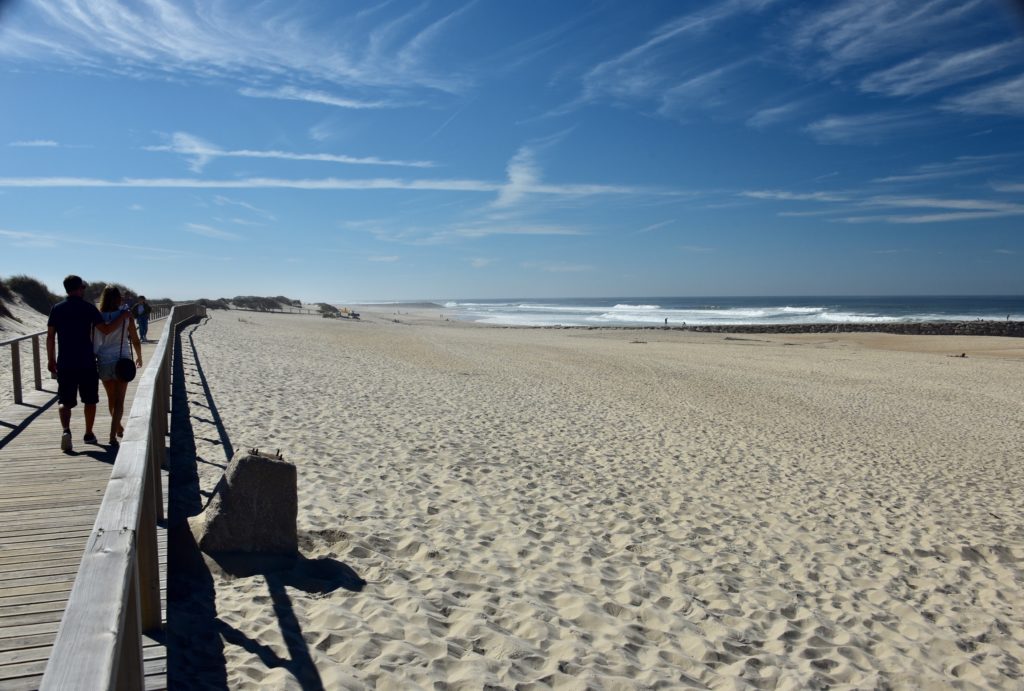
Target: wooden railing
pixel 15 344
pixel 37 358
pixel 116 594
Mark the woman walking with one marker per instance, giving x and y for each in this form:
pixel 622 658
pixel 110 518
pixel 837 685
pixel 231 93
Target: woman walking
pixel 109 349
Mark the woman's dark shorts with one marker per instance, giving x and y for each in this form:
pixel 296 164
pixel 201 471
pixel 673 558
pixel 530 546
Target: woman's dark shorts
pixel 73 382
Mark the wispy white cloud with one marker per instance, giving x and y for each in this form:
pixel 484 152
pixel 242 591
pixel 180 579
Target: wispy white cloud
pixel 523 175
pixel 25 238
pixel 264 183
pixel 480 262
pixel 943 203
pixel 239 222
pixel 647 70
pixel 949 210
pixel 487 230
pixel 767 117
pixel 518 188
pixel 860 208
pixel 930 218
pixel 229 40
pixel 654 226
pixel 221 200
pixel 705 91
pixel 387 259
pixel 934 71
pixel 20 238
pixel 1005 251
pixel 854 32
pixel 783 195
pixel 35 143
pixel 211 232
pixel 322 131
pixel 200 153
pixel 961 166
pixel 558 267
pixel 292 93
pixel 866 128
pixel 1002 98
pixel 1008 186
pixel 136 207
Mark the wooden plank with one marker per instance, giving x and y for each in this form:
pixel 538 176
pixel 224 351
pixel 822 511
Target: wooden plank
pixel 29 608
pixel 46 617
pixel 30 641
pixel 55 596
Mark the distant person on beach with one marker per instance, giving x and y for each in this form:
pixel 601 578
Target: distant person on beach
pixel 141 311
pixel 70 356
pixel 109 348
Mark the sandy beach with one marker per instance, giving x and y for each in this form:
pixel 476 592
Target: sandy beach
pixel 612 509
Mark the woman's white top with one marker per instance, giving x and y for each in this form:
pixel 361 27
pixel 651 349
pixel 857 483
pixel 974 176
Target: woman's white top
pixel 108 348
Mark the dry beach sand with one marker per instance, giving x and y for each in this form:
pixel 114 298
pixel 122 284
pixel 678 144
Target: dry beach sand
pixel 614 509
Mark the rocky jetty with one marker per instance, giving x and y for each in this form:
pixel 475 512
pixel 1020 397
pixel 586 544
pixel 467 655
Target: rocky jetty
pixel 964 328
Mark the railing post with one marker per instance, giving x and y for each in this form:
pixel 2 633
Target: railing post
pixel 36 363
pixel 130 671
pixel 154 459
pixel 16 370
pixel 147 556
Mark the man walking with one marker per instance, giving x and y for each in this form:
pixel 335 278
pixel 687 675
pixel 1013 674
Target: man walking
pixel 141 312
pixel 70 326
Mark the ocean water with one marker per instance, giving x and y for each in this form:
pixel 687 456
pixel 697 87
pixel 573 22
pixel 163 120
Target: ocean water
pixel 704 311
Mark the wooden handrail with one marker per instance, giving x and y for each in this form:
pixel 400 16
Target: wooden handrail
pixel 37 360
pixel 37 370
pixel 116 594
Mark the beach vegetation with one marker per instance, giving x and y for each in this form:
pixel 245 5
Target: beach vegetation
pixel 5 296
pixel 218 304
pixel 32 292
pixel 264 304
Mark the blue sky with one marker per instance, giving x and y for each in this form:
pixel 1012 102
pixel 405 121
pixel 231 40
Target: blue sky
pixel 393 150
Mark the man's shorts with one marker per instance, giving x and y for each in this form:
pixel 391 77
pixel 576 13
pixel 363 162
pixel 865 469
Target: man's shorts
pixel 74 382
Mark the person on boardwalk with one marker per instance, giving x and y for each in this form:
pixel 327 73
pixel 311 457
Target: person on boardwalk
pixel 70 357
pixel 111 347
pixel 141 311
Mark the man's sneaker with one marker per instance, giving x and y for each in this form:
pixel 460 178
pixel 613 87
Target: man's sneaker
pixel 65 441
pixel 90 438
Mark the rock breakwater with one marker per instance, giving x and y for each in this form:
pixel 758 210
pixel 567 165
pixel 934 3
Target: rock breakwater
pixel 963 328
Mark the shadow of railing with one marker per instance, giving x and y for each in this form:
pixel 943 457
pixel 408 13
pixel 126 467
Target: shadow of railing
pixel 196 634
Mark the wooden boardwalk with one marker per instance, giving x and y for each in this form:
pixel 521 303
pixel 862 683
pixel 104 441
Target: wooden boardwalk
pixel 48 504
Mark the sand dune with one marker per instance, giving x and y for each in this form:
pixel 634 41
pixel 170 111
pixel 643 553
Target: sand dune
pixel 617 510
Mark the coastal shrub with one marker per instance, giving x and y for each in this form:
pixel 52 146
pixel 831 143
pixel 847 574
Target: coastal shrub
pixel 328 310
pixel 33 293
pixel 260 304
pixel 94 288
pixel 5 296
pixel 218 304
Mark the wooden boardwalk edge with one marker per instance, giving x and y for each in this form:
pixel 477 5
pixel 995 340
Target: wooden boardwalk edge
pixel 48 506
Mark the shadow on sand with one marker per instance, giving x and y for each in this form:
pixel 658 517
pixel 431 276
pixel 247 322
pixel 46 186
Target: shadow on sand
pixel 196 635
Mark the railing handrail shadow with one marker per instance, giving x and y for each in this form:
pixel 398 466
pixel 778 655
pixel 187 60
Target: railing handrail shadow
pixel 116 594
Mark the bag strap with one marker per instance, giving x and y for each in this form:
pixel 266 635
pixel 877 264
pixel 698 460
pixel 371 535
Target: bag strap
pixel 120 348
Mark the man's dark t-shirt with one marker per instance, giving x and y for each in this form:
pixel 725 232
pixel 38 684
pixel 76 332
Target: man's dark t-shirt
pixel 73 319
